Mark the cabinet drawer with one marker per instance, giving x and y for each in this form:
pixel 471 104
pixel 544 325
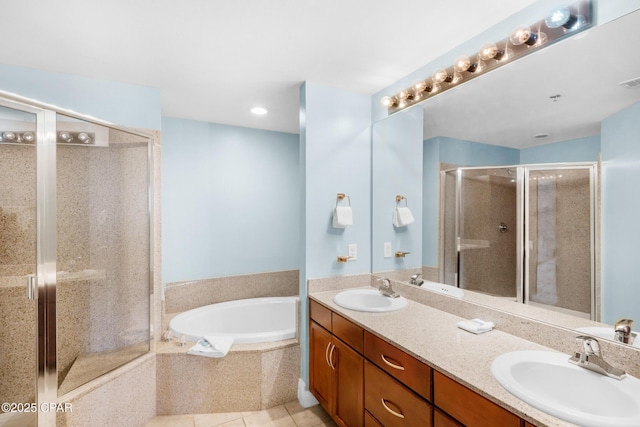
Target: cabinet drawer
pixel 467 406
pixel 369 421
pixel 320 314
pixel 391 403
pixel 440 419
pixel 407 369
pixel 348 332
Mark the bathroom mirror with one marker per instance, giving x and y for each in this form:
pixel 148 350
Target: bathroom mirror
pixel 558 98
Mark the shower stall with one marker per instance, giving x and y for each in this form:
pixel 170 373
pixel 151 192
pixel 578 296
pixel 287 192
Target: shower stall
pixel 75 262
pixel 525 233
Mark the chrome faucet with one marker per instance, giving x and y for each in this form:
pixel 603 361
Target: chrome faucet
pixel 622 330
pixel 591 358
pixel 416 280
pixel 386 289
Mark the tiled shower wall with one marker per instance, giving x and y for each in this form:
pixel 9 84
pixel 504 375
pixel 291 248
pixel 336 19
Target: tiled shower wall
pixel 100 206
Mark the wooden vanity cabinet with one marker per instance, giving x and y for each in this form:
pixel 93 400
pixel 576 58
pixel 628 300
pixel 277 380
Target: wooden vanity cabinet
pixel 336 370
pixel 362 380
pixel 467 406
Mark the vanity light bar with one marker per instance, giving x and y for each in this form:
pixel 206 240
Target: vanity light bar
pixel 63 137
pixel 561 22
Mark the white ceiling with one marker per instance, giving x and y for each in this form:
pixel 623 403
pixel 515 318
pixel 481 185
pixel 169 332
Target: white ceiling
pixel 213 60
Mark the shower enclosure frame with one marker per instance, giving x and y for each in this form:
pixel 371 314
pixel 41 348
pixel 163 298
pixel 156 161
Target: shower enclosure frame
pixel 46 377
pixel 522 230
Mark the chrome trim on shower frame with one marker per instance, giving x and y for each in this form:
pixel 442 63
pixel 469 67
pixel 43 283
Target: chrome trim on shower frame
pixel 46 256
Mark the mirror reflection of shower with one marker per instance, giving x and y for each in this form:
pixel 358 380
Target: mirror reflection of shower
pixel 524 233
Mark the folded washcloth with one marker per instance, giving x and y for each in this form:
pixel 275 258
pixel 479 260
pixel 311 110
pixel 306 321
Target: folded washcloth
pixel 402 216
pixel 342 217
pixel 212 346
pixel 476 326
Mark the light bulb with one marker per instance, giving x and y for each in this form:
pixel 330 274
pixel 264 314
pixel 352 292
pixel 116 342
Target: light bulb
pixel 488 51
pixel 420 86
pixel 434 87
pixel 406 95
pixel 9 136
pixel 462 63
pixel 523 35
pixel 389 101
pixel 29 136
pixel 84 137
pixel 561 17
pixel 64 135
pixel 440 75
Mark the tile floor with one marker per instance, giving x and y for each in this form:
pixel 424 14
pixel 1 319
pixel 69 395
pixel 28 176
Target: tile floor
pixel 288 415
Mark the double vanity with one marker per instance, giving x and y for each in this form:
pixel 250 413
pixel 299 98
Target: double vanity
pixel 386 361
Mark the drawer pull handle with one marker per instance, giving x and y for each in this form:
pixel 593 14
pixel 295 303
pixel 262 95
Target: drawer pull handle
pixel 326 355
pixel 333 347
pixel 393 365
pixel 397 414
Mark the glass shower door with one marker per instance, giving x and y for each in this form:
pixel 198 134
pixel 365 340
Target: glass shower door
pixel 560 238
pixel 18 266
pixel 488 231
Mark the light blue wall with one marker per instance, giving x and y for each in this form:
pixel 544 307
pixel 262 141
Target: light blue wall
pixel 397 162
pixel 620 213
pixel 230 200
pixel 467 153
pixel 430 201
pixel 575 150
pixel 120 103
pixel 335 137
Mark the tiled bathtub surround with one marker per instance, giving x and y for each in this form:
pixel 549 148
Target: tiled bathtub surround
pixel 183 296
pixel 249 378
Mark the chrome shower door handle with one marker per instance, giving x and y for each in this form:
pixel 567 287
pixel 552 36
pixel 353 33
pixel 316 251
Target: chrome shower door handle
pixel 32 285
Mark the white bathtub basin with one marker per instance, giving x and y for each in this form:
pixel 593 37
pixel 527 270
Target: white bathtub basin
pixel 368 300
pixel 547 381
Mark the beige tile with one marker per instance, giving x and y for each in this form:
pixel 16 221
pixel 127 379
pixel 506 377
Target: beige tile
pixel 222 419
pixel 274 417
pixel 307 417
pixel 171 421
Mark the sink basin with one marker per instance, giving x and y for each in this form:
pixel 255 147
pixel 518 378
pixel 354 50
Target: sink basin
pixel 605 333
pixel 368 300
pixel 547 381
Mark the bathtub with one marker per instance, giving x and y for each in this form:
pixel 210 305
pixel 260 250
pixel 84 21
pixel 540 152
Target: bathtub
pixel 252 320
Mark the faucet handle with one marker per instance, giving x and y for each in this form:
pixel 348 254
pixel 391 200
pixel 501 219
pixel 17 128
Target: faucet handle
pixel 590 344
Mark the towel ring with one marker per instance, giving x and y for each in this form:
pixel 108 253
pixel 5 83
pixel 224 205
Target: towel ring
pixel 399 199
pixel 341 196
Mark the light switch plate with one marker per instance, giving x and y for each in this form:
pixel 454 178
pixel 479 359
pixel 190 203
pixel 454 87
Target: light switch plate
pixel 353 252
pixel 387 249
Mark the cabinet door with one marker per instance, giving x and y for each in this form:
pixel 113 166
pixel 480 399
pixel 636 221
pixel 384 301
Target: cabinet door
pixel 320 372
pixel 349 377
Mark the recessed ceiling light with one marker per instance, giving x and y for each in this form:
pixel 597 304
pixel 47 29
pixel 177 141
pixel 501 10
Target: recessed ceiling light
pixel 260 111
pixel 541 135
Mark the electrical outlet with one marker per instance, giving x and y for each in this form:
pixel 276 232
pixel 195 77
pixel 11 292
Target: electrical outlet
pixel 353 252
pixel 387 249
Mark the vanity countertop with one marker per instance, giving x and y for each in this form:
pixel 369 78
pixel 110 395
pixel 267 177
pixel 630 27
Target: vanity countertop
pixel 432 336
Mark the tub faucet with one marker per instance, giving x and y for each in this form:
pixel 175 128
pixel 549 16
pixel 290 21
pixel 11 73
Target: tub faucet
pixel 386 289
pixel 623 332
pixel 591 358
pixel 416 280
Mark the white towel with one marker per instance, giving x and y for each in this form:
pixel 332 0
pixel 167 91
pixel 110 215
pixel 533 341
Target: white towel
pixel 402 216
pixel 476 326
pixel 212 346
pixel 342 217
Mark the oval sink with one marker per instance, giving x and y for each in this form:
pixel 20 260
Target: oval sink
pixel 605 333
pixel 547 381
pixel 368 300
